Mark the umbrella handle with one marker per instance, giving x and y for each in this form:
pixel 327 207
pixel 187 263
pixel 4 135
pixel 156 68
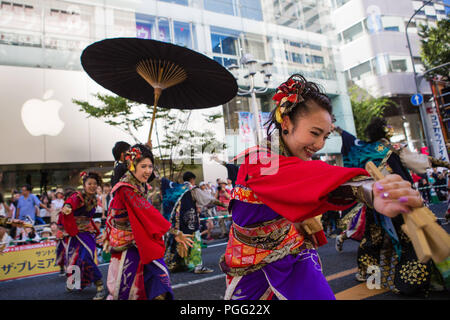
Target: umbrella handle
pixel 157 94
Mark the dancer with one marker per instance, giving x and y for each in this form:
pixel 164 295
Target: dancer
pixel 271 249
pixel 185 217
pixel 384 244
pixel 76 219
pixel 134 235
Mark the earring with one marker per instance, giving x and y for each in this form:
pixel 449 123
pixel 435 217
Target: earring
pixel 285 131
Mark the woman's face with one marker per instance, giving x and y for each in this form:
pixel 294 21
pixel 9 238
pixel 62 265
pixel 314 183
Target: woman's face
pixel 90 186
pixel 144 170
pixel 310 133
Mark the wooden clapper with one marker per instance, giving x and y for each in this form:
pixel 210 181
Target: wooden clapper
pixel 429 239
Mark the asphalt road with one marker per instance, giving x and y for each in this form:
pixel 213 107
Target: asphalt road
pixel 339 268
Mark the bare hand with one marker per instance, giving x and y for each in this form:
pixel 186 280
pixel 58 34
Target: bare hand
pixel 393 195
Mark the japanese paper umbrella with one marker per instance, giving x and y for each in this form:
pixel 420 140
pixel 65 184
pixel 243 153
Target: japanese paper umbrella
pixel 158 73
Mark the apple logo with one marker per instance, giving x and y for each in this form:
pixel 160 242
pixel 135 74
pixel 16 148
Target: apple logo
pixel 40 117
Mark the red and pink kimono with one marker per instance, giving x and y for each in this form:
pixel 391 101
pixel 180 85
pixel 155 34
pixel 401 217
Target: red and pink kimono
pixel 268 256
pixel 135 231
pixel 79 246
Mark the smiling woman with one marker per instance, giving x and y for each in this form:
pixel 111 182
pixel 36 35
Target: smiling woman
pixel 134 235
pixel 271 252
pixel 79 245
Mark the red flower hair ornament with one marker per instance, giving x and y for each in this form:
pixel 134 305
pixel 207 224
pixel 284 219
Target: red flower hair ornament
pixel 132 156
pixel 289 91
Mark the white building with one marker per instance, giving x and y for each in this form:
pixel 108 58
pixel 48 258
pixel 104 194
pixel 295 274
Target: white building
pixel 40 47
pixel 375 56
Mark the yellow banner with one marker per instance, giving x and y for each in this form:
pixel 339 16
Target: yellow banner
pixel 28 260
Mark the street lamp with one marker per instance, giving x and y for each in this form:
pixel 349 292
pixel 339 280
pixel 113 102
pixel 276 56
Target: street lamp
pixel 416 82
pixel 251 64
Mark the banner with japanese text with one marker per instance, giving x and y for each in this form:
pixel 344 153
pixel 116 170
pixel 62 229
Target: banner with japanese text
pixel 439 149
pixel 28 260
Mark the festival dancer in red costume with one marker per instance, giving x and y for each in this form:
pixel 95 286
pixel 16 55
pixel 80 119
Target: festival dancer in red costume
pixel 76 219
pixel 271 252
pixel 134 235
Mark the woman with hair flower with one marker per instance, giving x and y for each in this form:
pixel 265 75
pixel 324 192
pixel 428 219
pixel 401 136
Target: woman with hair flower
pixel 76 219
pixel 271 252
pixel 134 235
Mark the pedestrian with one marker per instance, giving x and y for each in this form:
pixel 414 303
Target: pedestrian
pixel 28 206
pixel 5 211
pixel 185 218
pixel 441 187
pixel 384 244
pixel 271 253
pixel 106 200
pixel 57 204
pixel 76 217
pixel 46 209
pixel 134 235
pixel 120 167
pixel 425 189
pixel 223 195
pixel 205 202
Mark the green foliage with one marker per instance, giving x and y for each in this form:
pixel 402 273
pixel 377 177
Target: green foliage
pixel 179 145
pixel 365 108
pixel 116 111
pixel 435 48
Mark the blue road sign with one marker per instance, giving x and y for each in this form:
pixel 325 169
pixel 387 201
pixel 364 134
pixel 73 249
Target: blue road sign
pixel 417 99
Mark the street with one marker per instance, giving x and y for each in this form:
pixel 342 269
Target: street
pixel 338 268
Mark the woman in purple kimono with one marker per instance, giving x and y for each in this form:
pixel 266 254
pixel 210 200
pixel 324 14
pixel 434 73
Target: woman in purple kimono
pixel 76 219
pixel 271 252
pixel 134 235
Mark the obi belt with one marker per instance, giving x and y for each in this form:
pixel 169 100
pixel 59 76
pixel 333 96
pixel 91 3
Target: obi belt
pixel 252 247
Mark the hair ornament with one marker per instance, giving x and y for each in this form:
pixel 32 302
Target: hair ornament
pixel 132 156
pixel 289 91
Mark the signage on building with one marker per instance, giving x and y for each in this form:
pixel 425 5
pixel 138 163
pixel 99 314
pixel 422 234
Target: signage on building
pixel 438 147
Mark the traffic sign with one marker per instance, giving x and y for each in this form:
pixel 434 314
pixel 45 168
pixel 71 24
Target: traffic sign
pixel 417 99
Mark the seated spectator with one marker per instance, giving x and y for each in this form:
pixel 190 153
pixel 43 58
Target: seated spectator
pixel 54 228
pixel 30 235
pixel 5 239
pixel 4 208
pixel 46 234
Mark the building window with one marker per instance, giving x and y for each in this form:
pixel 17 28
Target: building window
pixel 180 2
pixel 182 33
pixel 221 6
pixel 398 65
pixel 254 44
pixel 352 33
pixel 145 27
pixel 360 70
pixel 164 30
pixel 176 32
pixel 251 9
pixel 318 59
pixel 225 45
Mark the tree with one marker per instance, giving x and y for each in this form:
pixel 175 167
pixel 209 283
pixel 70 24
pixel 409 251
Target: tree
pixel 365 107
pixel 179 145
pixel 435 48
